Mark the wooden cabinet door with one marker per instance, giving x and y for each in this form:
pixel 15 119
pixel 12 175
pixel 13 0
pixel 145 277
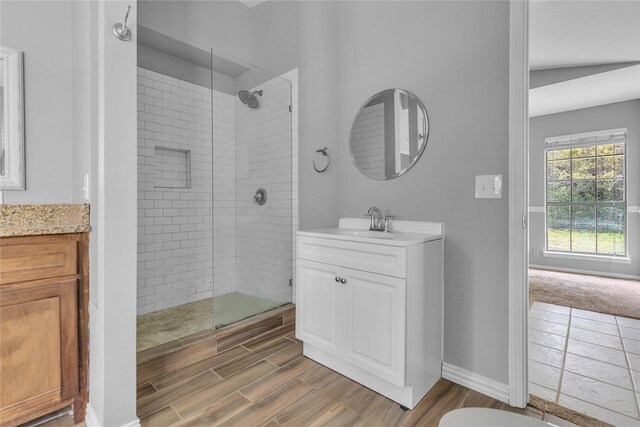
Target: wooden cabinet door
pixel 38 346
pixel 317 305
pixel 373 322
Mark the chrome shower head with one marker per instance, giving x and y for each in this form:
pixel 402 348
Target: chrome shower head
pixel 249 98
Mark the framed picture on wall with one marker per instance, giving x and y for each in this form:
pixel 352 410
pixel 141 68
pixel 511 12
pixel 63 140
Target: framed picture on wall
pixel 12 167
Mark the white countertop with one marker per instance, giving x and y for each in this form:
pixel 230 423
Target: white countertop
pixel 404 233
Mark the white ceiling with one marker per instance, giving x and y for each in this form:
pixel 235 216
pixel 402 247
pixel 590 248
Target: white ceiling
pixel 570 33
pixel 598 89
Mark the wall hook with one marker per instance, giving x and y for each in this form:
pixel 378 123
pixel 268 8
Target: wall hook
pixel 120 30
pixel 325 153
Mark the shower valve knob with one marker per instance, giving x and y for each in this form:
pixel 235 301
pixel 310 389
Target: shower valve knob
pixel 260 198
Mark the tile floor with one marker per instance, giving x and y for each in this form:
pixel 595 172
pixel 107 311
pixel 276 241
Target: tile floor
pixel 162 326
pixel 586 361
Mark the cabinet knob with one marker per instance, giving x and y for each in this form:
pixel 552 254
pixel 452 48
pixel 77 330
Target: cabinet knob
pixel 343 281
pixel 337 279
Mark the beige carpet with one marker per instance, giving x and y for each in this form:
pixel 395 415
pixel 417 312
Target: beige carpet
pixel 620 297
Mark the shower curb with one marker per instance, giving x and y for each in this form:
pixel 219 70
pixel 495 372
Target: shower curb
pixel 178 354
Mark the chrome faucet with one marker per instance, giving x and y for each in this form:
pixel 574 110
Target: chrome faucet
pixel 376 219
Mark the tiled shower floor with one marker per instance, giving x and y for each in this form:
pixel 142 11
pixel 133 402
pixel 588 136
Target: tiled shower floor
pixel 172 323
pixel 586 361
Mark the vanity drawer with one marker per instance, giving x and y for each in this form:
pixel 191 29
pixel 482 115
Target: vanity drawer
pixel 388 260
pixel 32 258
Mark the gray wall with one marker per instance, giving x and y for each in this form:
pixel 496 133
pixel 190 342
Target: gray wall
pixel 222 25
pixel 169 65
pixel 621 114
pixel 112 309
pixel 454 56
pixel 84 98
pixel 42 29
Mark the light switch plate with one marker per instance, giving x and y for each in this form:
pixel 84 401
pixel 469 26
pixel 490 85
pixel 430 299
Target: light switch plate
pixel 488 186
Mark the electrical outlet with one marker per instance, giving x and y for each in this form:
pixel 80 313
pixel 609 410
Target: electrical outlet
pixel 85 189
pixel 488 186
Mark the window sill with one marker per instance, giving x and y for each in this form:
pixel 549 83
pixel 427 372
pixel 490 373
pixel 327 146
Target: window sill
pixel 585 257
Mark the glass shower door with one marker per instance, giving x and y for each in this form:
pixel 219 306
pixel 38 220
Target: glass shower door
pixel 253 226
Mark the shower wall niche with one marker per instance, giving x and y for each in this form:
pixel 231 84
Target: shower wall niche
pixel 208 255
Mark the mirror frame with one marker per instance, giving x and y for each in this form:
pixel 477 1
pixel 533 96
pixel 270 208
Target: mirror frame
pixel 12 151
pixel 424 146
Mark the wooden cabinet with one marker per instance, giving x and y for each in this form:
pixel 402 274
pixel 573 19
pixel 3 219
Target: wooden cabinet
pixel 372 311
pixel 43 326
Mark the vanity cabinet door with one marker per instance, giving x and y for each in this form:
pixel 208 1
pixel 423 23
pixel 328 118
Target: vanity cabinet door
pixel 373 322
pixel 317 304
pixel 38 348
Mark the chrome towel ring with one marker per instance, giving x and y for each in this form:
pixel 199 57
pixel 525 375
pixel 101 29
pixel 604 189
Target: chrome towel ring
pixel 325 153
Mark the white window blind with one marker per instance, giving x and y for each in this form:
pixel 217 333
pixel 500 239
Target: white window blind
pixel 611 136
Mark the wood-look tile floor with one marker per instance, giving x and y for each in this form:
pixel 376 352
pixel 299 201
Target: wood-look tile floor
pixel 272 384
pixel 267 382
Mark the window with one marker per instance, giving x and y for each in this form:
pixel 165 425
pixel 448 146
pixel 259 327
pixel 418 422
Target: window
pixel 586 193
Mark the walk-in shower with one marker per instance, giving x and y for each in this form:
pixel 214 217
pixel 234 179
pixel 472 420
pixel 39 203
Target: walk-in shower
pixel 209 252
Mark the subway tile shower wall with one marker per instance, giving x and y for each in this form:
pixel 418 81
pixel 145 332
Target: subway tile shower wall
pixel 367 141
pixel 264 160
pixel 175 256
pixel 253 248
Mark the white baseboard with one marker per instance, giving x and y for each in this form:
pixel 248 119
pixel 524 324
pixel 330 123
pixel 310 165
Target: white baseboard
pixel 592 273
pixel 91 420
pixel 484 385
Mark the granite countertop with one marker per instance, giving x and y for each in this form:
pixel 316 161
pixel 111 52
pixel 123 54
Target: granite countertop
pixel 31 220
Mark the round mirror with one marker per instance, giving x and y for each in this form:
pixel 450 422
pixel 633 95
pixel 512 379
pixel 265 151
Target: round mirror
pixel 389 134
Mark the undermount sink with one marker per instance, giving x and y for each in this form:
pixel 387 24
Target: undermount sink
pixel 367 233
pixel 403 233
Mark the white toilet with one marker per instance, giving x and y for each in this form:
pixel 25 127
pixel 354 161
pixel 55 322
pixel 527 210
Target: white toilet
pixel 485 417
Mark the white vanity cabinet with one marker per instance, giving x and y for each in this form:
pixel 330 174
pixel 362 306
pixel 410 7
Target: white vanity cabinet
pixel 319 325
pixel 369 305
pixel 362 319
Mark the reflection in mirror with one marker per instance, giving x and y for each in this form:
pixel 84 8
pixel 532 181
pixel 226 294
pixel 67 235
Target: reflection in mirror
pixel 389 134
pixel 2 109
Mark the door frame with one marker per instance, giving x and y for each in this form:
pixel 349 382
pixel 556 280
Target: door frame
pixel 518 201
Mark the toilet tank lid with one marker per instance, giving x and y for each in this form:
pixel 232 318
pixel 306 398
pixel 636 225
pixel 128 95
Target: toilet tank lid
pixel 486 417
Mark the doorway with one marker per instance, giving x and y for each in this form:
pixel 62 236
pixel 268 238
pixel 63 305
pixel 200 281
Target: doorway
pixel 583 216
